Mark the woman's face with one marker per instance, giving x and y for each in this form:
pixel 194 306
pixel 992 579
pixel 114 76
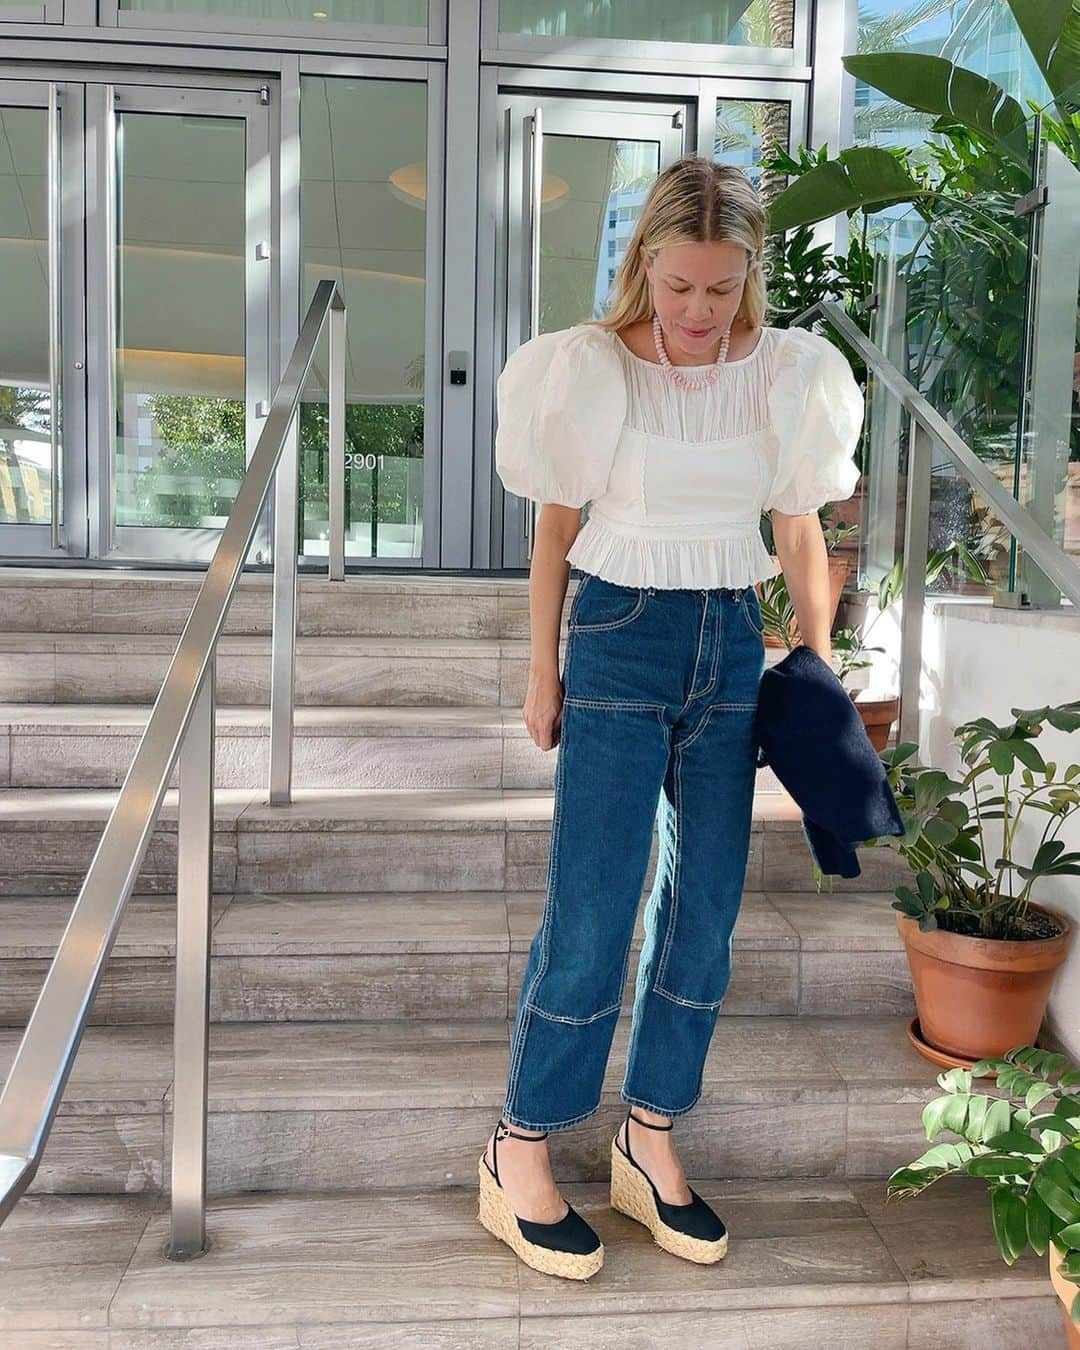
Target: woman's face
pixel 696 291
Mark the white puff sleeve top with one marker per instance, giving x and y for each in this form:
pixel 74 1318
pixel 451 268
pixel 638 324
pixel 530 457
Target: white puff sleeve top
pixel 676 479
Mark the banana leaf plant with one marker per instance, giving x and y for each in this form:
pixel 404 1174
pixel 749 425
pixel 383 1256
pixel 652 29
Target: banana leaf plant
pixel 1024 1143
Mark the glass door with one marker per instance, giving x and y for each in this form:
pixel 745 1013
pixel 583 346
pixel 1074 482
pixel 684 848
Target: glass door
pixel 42 343
pixel 577 173
pixel 179 234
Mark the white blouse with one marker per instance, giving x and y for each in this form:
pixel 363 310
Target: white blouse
pixel 676 479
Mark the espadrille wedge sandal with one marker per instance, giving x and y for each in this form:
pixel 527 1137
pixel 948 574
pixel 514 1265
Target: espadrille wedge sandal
pixel 693 1230
pixel 567 1247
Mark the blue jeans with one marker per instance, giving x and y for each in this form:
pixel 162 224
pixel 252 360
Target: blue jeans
pixel 660 688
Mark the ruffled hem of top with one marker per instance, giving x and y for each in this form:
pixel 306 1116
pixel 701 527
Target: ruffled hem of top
pixel 670 564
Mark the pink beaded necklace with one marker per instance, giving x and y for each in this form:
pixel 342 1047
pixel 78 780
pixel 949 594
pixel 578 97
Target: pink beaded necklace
pixel 711 372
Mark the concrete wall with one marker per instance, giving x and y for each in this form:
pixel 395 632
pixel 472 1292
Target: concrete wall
pixel 982 661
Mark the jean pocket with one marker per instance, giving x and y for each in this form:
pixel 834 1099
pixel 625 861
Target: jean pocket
pixel 601 605
pixel 751 608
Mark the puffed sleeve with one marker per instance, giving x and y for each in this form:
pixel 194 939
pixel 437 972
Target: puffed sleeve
pixel 560 404
pixel 816 410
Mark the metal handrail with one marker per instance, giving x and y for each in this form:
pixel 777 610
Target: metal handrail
pixel 180 724
pixel 929 428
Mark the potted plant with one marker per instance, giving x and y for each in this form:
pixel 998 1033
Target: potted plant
pixel 852 647
pixel 1025 1143
pixel 983 954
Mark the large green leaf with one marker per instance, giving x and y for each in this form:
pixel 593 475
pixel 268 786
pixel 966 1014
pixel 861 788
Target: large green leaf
pixel 934 85
pixel 1051 29
pixel 860 176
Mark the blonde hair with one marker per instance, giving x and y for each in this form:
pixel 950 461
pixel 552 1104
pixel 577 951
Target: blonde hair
pixel 694 201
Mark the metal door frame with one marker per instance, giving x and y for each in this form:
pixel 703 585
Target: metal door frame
pixel 562 114
pixel 249 101
pixel 68 338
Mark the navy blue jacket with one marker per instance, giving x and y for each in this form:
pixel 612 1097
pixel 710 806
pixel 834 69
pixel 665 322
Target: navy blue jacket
pixel 811 734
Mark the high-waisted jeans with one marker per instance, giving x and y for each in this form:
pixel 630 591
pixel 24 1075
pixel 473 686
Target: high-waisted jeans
pixel 660 689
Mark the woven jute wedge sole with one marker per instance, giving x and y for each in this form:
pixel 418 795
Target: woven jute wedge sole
pixel 497 1216
pixel 631 1194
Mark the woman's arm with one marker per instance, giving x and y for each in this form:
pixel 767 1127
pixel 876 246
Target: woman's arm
pixel 549 574
pixel 804 561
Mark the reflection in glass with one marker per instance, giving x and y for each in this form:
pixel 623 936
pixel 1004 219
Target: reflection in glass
pixel 742 23
pixel 593 192
pixel 25 414
pixel 363 218
pixel 392 13
pixel 745 130
pixel 180 316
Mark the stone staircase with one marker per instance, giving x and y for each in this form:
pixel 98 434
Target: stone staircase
pixel 368 945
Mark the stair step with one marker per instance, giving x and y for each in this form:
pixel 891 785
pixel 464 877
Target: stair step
pixel 70 745
pixel 376 839
pixel 332 1105
pixel 92 745
pixel 434 955
pixel 403 605
pixel 815 1261
pixel 407 670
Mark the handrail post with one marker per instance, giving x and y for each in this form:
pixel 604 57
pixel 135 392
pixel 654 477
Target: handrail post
pixel 336 414
pixel 283 617
pixel 916 545
pixel 191 1020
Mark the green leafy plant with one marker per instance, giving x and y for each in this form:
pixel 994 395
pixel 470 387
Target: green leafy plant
pixel 966 882
pixel 965 270
pixel 1025 1143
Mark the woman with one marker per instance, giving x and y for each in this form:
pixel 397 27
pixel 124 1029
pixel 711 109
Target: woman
pixel 678 418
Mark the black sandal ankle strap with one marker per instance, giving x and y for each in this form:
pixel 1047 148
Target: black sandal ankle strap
pixel 507 1131
pixel 638 1121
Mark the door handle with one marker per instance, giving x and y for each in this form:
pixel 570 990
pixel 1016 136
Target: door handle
pixel 536 181
pixel 53 248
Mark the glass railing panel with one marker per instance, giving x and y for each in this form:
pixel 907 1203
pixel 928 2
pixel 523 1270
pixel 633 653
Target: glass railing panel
pixel 1047 461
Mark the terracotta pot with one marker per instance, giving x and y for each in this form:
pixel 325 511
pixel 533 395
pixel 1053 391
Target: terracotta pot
pixel 839 567
pixel 878 715
pixel 1066 1292
pixel 978 997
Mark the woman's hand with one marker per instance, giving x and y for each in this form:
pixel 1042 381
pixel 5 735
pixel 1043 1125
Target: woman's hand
pixel 542 710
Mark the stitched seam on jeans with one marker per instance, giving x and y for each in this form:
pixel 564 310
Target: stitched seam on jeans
pixel 660 1110
pixel 551 1124
pixel 610 703
pixel 635 1019
pixel 618 623
pixel 697 657
pixel 661 965
pixel 575 1021
pixel 685 1002
pixel 744 605
pixel 732 707
pixel 681 745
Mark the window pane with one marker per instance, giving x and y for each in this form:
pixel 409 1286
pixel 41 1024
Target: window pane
pixel 363 219
pixel 745 129
pixel 25 414
pixel 180 316
pixel 742 23
pixel 391 13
